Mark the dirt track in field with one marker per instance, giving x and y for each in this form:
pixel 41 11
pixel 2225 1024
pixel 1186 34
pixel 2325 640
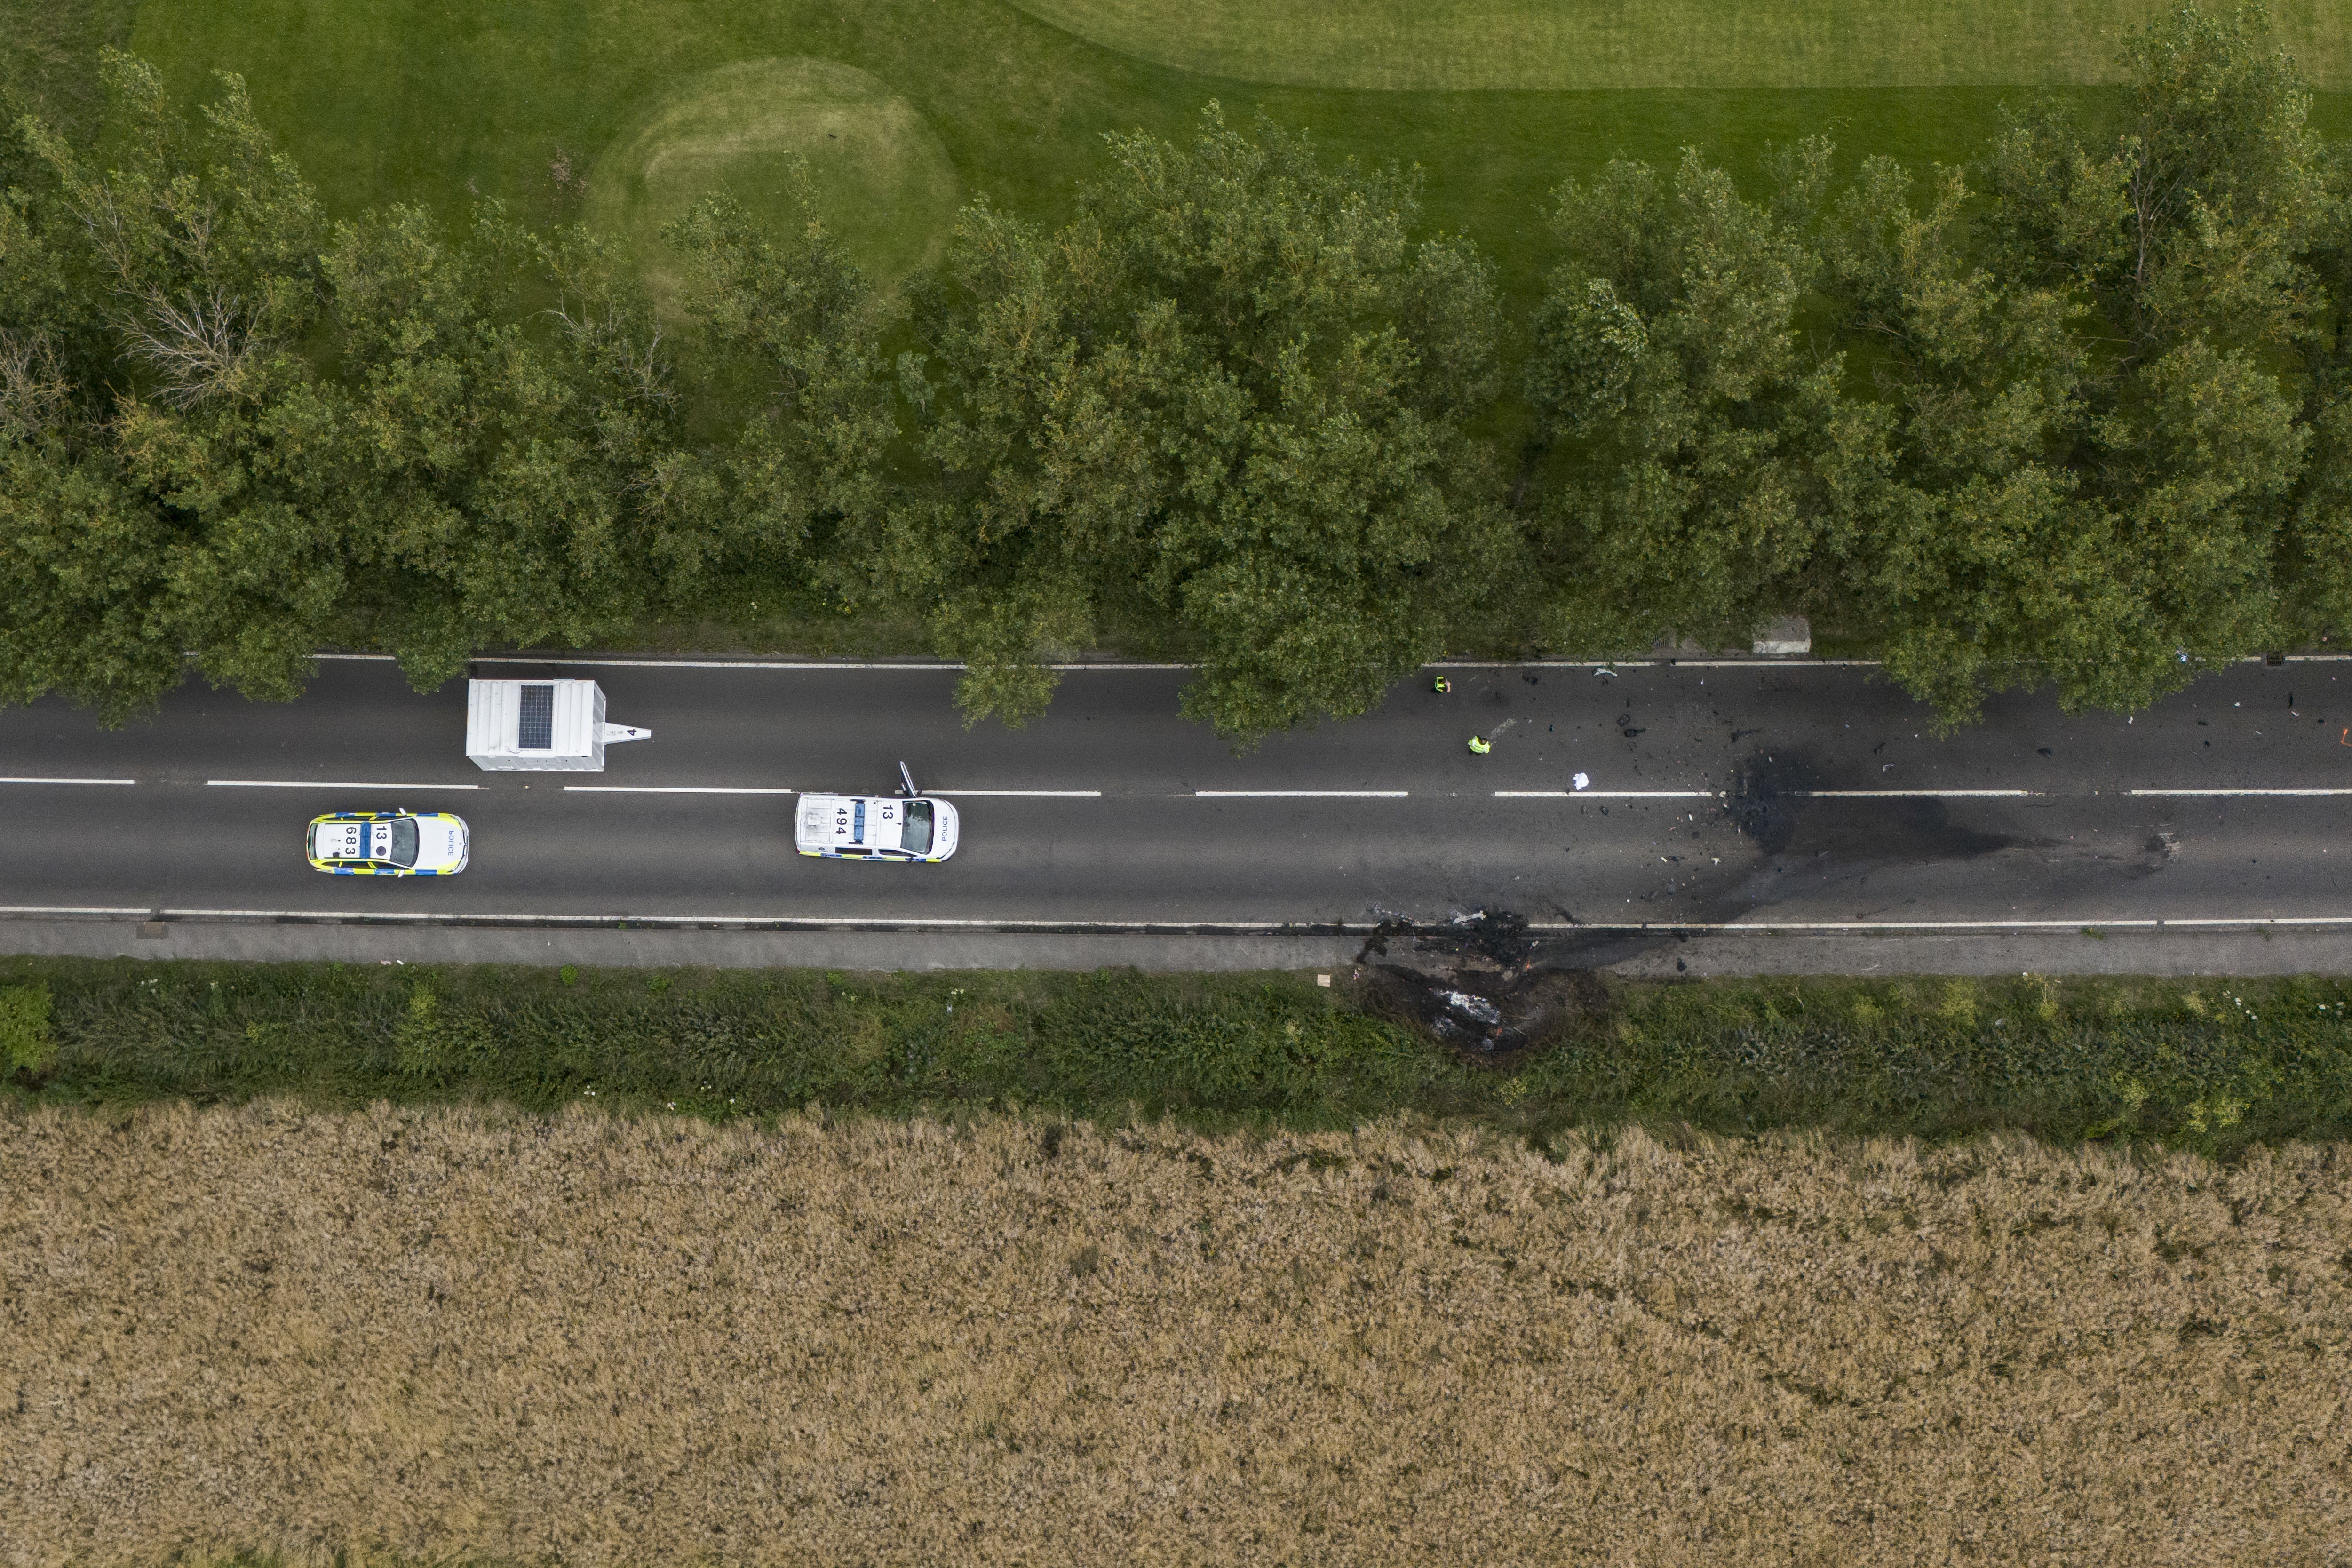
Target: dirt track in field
pixel 419 1334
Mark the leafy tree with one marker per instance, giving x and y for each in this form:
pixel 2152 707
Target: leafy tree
pixel 2314 557
pixel 796 326
pixel 1235 385
pixel 156 319
pixel 2175 240
pixel 503 483
pixel 186 476
pixel 1667 362
pixel 1965 545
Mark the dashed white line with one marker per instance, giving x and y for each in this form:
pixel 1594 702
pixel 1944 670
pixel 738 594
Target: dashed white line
pixel 325 784
pixel 33 779
pixel 1606 794
pixel 1916 794
pixel 671 789
pixel 1027 793
pixel 1302 794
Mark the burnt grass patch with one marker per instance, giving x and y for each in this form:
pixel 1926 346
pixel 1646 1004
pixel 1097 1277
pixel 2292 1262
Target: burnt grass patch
pixel 1480 986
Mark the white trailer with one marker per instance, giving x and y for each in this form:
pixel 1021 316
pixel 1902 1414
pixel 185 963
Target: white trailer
pixel 552 726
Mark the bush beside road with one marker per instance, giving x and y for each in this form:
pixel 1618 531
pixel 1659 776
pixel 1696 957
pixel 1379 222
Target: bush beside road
pixel 2213 1066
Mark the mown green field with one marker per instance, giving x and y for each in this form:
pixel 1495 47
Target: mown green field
pixel 1589 43
pixel 402 98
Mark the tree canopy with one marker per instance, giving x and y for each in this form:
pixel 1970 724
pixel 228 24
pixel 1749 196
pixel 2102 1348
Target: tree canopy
pixel 2077 415
pixel 1238 384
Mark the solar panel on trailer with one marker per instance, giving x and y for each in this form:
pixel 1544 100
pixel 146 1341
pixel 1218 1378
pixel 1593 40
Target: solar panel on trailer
pixel 535 725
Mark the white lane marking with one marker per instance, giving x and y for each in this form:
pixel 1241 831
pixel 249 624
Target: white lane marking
pixel 1027 793
pixel 1901 794
pixel 1606 794
pixel 1302 794
pixel 2093 922
pixel 2225 791
pixel 324 784
pixel 1270 928
pixel 31 779
pixel 776 663
pixel 1757 661
pixel 1760 661
pixel 69 910
pixel 669 789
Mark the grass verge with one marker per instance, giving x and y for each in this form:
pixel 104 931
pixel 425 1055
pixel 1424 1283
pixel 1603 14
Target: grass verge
pixel 2216 1067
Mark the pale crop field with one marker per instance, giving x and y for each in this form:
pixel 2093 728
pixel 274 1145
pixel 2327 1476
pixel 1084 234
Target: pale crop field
pixel 1587 43
pixel 482 1337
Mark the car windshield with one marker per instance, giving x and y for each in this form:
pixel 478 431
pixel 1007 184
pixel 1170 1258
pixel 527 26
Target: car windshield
pixel 917 839
pixel 403 841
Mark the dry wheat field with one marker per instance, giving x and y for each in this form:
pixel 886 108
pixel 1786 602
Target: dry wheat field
pixel 420 1336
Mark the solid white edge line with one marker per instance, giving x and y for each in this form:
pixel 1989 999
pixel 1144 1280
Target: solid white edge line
pixel 28 780
pixel 1274 928
pixel 69 910
pixel 1302 794
pixel 2093 922
pixel 667 789
pixel 2226 792
pixel 1757 662
pixel 772 663
pixel 324 784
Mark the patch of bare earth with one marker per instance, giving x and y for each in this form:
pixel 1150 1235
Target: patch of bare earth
pixel 420 1334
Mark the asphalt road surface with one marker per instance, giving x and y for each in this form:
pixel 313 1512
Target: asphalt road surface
pixel 1800 795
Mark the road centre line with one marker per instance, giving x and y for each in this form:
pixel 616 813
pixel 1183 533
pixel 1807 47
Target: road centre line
pixel 34 780
pixel 1901 794
pixel 668 789
pixel 324 784
pixel 1606 794
pixel 1027 794
pixel 1302 794
pixel 714 789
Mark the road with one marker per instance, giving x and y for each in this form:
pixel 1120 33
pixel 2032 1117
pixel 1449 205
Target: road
pixel 1793 796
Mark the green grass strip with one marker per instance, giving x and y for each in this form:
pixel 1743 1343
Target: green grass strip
pixel 2215 1066
pixel 1569 44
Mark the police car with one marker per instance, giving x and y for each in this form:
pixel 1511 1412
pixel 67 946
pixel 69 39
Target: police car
pixel 387 843
pixel 909 826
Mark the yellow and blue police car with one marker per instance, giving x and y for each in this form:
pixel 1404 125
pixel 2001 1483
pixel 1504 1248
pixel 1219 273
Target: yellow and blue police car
pixel 388 844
